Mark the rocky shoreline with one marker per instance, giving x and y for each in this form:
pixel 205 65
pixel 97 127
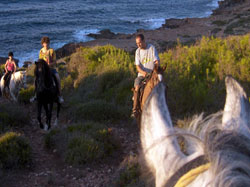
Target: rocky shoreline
pixel 232 17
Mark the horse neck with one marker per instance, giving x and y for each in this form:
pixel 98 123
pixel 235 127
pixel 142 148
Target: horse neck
pixel 156 126
pixel 158 140
pixel 148 88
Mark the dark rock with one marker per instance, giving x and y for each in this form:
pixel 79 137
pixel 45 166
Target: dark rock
pixel 175 23
pixel 3 60
pixel 67 49
pixel 103 34
pixel 26 64
pixel 225 4
pixel 140 30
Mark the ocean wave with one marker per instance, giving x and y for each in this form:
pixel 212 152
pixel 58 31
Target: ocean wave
pixel 81 35
pixel 214 4
pixel 151 23
pixel 155 22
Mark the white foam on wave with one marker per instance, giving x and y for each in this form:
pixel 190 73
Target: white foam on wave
pixel 81 35
pixel 155 23
pixel 214 4
pixel 31 56
pixel 150 23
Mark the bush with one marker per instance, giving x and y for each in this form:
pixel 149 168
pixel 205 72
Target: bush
pixel 26 94
pixel 12 116
pixel 15 151
pixel 129 174
pixel 99 110
pixel 82 143
pixel 195 75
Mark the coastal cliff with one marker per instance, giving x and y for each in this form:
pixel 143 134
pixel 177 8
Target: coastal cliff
pixel 232 17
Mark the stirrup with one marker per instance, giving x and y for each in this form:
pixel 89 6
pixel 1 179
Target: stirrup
pixel 134 114
pixel 60 99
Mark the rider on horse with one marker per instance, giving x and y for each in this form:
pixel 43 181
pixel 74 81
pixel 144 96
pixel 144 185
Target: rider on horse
pixel 10 67
pixel 48 55
pixel 146 57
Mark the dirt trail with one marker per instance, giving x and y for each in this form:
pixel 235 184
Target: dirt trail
pixel 48 168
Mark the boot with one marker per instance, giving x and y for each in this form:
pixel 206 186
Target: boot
pixel 136 105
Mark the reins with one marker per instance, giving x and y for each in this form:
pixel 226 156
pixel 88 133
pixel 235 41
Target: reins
pixel 188 173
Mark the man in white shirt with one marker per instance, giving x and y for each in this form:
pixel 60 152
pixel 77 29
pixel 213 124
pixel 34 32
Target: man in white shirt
pixel 146 57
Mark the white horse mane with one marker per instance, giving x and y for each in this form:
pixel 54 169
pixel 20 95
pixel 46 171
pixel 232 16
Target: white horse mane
pixel 223 137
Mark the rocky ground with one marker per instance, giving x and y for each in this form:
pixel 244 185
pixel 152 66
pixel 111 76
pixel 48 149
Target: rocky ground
pixel 48 168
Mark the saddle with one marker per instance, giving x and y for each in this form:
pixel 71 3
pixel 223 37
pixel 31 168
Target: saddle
pixel 141 91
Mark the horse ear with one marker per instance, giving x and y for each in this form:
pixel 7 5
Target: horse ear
pixel 164 68
pixel 36 62
pixel 156 66
pixel 237 108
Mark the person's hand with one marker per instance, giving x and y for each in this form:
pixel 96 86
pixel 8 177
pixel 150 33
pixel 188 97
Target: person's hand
pixel 144 74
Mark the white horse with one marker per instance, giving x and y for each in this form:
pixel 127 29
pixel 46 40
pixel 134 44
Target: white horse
pixel 17 81
pixel 220 143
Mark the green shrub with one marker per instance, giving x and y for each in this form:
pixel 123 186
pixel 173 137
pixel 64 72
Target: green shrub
pixel 26 94
pixel 130 176
pixel 195 75
pixel 67 83
pixel 99 110
pixel 15 151
pixel 82 143
pixel 13 116
pixel 100 78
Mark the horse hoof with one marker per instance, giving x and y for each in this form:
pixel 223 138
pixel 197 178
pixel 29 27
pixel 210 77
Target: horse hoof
pixel 56 122
pixel 46 127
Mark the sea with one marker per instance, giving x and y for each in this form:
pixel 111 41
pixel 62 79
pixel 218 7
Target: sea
pixel 24 22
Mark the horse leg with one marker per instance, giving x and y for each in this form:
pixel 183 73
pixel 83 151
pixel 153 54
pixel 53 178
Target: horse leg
pixel 48 116
pixel 11 90
pixel 57 113
pixel 39 111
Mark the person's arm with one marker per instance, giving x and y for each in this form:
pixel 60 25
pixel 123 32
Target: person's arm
pixel 5 67
pixel 40 55
pixel 52 57
pixel 14 66
pixel 139 69
pixel 156 57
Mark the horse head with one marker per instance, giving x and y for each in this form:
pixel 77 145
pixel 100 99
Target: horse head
pixel 43 75
pixel 22 79
pixel 154 78
pixel 222 140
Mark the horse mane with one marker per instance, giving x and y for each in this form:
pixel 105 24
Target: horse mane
pixel 228 151
pixel 42 68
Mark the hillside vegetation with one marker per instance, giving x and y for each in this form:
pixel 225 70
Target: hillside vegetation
pixel 98 80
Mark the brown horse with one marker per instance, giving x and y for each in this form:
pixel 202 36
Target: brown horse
pixel 151 80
